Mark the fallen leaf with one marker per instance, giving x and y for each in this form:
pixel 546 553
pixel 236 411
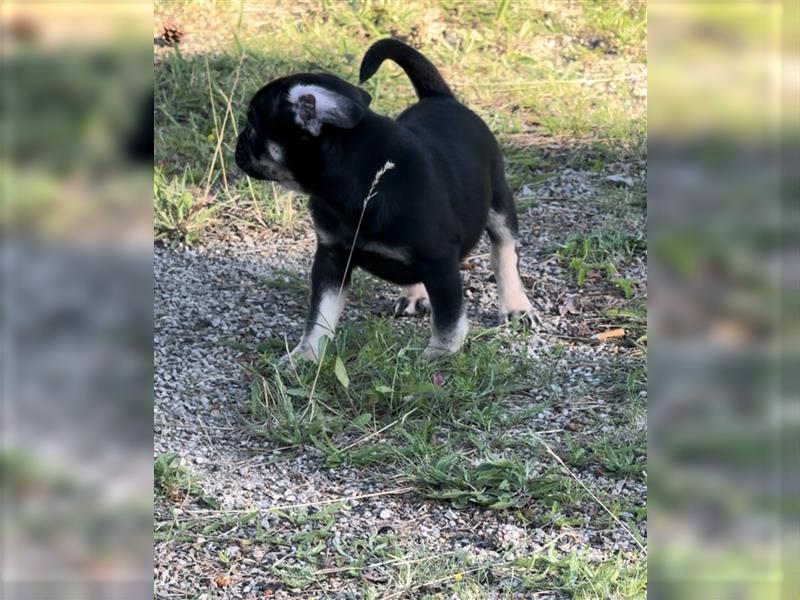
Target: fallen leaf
pixel 610 334
pixel 593 275
pixel 222 581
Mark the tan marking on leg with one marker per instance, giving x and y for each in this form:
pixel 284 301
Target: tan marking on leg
pixel 504 263
pixel 509 285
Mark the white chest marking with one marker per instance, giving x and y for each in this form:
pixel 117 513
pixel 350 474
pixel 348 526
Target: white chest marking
pixel 275 151
pixel 399 254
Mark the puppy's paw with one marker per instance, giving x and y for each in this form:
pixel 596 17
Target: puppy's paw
pixel 302 352
pixel 406 307
pixel 414 301
pixel 437 352
pixel 527 318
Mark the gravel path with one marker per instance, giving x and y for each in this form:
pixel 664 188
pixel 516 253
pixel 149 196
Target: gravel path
pixel 209 295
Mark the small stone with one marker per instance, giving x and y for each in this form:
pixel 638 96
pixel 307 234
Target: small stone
pixel 385 514
pixel 619 179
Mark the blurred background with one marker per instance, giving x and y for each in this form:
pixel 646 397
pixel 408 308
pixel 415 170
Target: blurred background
pixel 723 321
pixel 76 464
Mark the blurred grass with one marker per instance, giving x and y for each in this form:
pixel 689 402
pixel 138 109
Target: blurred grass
pixel 66 163
pixel 543 75
pixel 723 441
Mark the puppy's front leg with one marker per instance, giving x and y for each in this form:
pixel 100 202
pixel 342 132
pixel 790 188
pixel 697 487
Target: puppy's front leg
pixel 449 319
pixel 327 275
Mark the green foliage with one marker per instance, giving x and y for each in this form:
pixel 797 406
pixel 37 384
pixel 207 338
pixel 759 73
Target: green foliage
pixel 601 251
pixel 374 377
pixel 174 481
pixel 616 455
pixel 179 215
pixel 498 484
pixel 579 577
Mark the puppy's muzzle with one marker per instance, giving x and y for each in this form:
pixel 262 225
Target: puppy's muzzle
pixel 244 157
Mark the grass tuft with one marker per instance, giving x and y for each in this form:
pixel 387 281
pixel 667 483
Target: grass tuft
pixel 175 482
pixel 602 251
pixel 180 215
pixel 381 403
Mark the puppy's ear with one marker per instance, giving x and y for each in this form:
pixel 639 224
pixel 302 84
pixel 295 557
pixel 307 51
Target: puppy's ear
pixel 314 105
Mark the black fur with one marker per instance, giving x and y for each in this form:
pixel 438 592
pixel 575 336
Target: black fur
pixel 427 81
pixel 430 210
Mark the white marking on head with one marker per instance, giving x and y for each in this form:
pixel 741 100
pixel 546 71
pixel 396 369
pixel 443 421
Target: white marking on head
pixel 314 105
pixel 414 294
pixel 327 100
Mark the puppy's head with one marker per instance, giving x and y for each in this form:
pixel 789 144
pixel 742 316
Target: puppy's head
pixel 289 118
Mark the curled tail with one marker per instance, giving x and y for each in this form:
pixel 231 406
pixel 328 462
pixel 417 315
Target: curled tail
pixel 426 79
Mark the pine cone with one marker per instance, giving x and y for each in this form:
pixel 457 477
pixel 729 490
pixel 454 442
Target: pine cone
pixel 171 35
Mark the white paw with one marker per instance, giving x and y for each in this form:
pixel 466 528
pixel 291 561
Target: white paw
pixel 433 352
pixel 305 351
pixel 447 342
pixel 528 318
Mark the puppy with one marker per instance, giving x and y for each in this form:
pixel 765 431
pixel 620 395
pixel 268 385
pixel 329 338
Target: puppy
pixel 315 133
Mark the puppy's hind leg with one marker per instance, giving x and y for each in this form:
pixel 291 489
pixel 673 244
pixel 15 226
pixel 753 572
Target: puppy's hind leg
pixel 413 301
pixel 449 319
pixel 327 277
pixel 502 229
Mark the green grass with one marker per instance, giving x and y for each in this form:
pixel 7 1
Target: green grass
pixel 374 402
pixel 601 252
pixel 374 374
pixel 507 60
pixel 180 215
pixel 174 482
pixel 579 577
pixel 377 402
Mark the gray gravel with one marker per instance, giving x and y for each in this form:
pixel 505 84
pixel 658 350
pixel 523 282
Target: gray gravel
pixel 216 292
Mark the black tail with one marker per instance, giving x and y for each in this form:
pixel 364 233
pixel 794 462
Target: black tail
pixel 427 80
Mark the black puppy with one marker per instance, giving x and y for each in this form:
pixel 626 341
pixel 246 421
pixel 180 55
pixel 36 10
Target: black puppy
pixel 315 133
